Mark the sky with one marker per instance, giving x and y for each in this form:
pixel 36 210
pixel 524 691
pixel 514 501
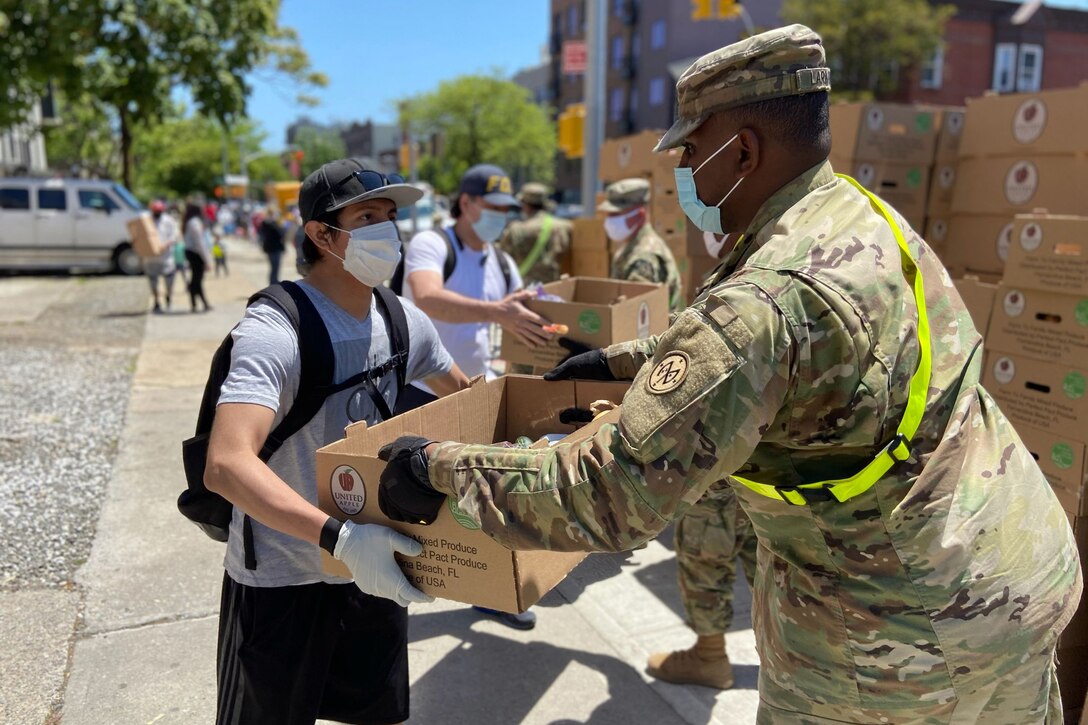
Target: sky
pixel 376 52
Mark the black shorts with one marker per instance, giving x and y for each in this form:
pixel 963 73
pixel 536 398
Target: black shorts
pixel 292 655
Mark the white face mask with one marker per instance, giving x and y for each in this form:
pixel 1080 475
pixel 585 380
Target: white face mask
pixel 372 253
pixel 714 243
pixel 617 227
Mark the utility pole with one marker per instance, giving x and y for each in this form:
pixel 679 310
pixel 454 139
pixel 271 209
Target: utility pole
pixel 596 30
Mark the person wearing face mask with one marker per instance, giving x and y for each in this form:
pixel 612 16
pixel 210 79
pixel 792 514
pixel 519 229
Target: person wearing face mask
pixel 165 264
pixel 538 239
pixel 642 256
pixel 914 565
pixel 295 643
pixel 484 285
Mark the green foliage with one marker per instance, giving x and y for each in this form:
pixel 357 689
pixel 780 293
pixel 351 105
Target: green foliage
pixel 481 119
pixel 319 146
pixel 869 41
pixel 130 55
pixel 84 140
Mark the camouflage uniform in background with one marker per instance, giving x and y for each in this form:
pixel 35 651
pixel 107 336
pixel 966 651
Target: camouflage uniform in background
pixel 520 237
pixel 646 258
pixel 710 537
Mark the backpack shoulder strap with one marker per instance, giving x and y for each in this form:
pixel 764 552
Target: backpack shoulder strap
pixel 399 341
pixel 504 267
pixel 451 252
pixel 316 356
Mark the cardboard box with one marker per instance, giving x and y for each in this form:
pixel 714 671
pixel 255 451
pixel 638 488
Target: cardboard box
pixel 884 132
pixel 459 561
pixel 1026 124
pixel 597 312
pixel 668 218
pixel 1048 326
pixel 1072 664
pixel 977 243
pixel 590 263
pixel 1062 461
pixel 1039 394
pixel 145 236
pixel 949 133
pixel 903 186
pixel 978 296
pixel 1049 253
pixel 588 234
pixel 936 233
pixel 1019 184
pixel 694 272
pixel 941 187
pixel 628 156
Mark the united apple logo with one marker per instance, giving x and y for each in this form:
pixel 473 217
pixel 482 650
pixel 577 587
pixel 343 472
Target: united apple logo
pixel 347 481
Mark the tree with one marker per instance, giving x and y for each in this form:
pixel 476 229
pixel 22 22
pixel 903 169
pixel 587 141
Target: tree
pixel 129 56
pixel 481 119
pixel 869 42
pixel 84 140
pixel 319 146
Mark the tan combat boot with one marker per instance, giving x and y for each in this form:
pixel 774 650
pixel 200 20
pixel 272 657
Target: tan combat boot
pixel 706 664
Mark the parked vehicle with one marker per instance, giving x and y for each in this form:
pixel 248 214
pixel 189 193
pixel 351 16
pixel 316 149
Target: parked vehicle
pixel 432 212
pixel 67 224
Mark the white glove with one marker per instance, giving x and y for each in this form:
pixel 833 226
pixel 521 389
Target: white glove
pixel 367 550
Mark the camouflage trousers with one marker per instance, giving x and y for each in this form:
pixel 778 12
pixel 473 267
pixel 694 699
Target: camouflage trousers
pixel 710 537
pixel 1027 696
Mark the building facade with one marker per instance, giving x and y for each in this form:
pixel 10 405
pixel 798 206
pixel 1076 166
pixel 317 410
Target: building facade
pixel 649 43
pixel 993 45
pixel 22 148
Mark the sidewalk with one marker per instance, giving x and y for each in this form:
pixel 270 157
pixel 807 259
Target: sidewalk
pixel 146 652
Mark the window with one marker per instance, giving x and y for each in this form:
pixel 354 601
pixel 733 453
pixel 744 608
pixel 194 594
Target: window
pixel 657 91
pixel 617 52
pixel 615 105
pixel 933 70
pixel 55 199
pixel 1029 69
pixel 13 198
pixel 657 35
pixel 95 199
pixel 617 8
pixel 572 21
pixel 1004 67
pixel 127 197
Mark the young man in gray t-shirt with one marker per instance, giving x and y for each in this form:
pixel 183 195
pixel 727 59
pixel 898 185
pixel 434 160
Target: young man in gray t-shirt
pixel 295 643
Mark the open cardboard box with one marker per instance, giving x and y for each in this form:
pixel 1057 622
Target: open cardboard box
pixel 459 561
pixel 597 313
pixel 1049 252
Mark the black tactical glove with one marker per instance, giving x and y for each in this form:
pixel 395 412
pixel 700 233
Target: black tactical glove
pixel 575 416
pixel 583 363
pixel 404 492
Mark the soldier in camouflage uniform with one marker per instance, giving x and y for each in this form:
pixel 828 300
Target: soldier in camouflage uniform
pixel 934 592
pixel 537 228
pixel 643 255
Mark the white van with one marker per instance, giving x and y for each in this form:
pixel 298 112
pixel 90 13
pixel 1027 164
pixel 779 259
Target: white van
pixel 67 224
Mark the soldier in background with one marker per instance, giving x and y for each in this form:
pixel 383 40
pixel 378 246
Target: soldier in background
pixel 643 256
pixel 914 563
pixel 538 239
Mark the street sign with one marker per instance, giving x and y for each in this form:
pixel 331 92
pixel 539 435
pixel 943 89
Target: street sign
pixel 236 180
pixel 575 57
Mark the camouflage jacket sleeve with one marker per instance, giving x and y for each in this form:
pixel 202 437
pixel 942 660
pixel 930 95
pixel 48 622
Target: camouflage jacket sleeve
pixel 719 376
pixel 643 269
pixel 626 358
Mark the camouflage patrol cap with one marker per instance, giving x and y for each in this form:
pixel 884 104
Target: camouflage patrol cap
pixel 625 194
pixel 533 194
pixel 782 62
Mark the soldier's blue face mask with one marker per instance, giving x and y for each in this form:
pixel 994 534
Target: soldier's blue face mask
pixel 707 218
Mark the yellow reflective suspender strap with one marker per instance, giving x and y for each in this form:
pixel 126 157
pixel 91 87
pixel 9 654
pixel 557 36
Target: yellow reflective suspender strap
pixel 538 248
pixel 898 449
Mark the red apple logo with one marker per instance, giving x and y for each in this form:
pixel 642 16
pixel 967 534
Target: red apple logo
pixel 1004 365
pixel 1032 231
pixel 1030 112
pixel 1014 298
pixel 347 481
pixel 1021 175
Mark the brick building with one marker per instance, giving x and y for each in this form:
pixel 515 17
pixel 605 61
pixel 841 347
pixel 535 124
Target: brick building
pixel 649 44
pixel 994 45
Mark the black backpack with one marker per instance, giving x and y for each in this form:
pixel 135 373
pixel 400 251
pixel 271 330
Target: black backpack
pixel 396 282
pixel 210 511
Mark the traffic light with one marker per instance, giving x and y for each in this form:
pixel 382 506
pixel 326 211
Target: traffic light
pixel 572 126
pixel 715 9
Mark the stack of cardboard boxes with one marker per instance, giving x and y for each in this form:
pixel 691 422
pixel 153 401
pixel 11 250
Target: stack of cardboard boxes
pixel 1019 153
pixel 1037 368
pixel 942 181
pixel 889 148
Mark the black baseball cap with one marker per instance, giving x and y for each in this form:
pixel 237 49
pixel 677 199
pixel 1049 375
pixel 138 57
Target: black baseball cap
pixel 346 181
pixel 491 183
